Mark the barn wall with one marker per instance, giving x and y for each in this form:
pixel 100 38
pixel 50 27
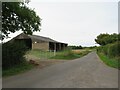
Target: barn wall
pixel 41 46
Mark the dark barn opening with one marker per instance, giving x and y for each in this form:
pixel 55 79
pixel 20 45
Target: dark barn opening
pixel 65 45
pixel 51 46
pixel 62 46
pixel 27 42
pixel 58 46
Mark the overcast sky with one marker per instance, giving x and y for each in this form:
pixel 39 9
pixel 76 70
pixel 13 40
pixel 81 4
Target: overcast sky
pixel 76 23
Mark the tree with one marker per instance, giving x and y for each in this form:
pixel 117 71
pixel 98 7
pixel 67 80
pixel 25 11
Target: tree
pixel 104 39
pixel 17 16
pixel 101 39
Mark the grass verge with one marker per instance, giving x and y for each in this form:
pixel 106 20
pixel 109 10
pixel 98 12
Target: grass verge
pixel 65 54
pixel 108 61
pixel 69 55
pixel 17 69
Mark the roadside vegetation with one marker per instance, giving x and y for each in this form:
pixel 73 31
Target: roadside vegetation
pixel 67 54
pixel 109 61
pixel 109 51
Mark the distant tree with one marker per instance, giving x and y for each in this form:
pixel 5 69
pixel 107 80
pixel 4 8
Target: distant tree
pixel 79 47
pixel 17 16
pixel 76 47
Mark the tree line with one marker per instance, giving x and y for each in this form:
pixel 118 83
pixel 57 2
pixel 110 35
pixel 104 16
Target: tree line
pixel 76 47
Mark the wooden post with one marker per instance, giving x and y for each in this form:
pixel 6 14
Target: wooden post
pixel 54 49
pixel 60 48
pixel 63 46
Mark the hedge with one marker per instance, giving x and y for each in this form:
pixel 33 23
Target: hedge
pixel 111 50
pixel 13 54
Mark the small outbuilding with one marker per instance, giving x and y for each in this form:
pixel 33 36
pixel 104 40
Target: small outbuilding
pixel 40 42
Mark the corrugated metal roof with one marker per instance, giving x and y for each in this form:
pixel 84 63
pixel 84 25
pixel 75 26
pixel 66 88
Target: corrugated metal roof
pixel 36 38
pixel 41 38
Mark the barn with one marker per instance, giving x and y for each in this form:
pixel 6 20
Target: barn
pixel 40 42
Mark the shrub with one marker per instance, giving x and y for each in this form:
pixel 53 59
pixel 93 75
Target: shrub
pixel 13 54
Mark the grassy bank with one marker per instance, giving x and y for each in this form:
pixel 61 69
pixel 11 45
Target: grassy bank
pixel 17 69
pixel 110 54
pixel 112 62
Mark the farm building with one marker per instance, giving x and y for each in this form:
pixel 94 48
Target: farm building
pixel 40 42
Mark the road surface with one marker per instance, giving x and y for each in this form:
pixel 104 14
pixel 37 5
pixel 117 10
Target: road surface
pixel 86 72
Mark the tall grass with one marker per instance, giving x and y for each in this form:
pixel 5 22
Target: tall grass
pixel 69 55
pixel 40 54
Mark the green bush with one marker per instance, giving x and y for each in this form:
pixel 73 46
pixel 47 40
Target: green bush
pixel 13 54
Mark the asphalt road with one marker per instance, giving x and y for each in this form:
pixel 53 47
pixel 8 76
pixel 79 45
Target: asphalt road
pixel 86 72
